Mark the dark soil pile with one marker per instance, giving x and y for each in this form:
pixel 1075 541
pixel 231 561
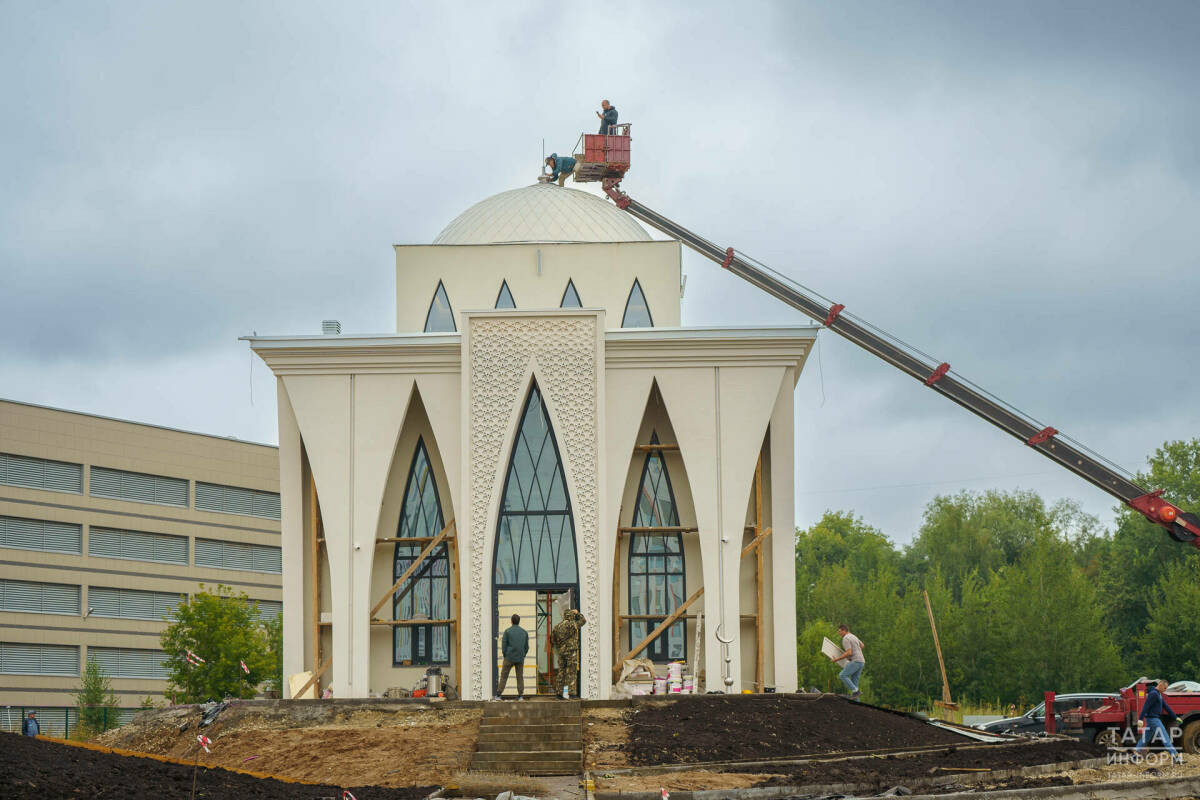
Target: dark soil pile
pixel 885 771
pixel 747 727
pixel 31 768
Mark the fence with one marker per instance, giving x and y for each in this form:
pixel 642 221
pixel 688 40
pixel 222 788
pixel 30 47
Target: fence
pixel 59 721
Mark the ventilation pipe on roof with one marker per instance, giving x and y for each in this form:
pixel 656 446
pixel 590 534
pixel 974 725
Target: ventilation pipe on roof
pixel 330 327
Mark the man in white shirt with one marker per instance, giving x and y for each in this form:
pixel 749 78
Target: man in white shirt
pixel 853 668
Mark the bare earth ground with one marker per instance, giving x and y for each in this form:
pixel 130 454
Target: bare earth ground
pixel 605 739
pixel 365 747
pixel 679 781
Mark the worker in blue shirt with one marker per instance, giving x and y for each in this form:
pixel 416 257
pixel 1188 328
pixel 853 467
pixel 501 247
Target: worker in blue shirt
pixel 608 119
pixel 1153 712
pixel 30 726
pixel 561 167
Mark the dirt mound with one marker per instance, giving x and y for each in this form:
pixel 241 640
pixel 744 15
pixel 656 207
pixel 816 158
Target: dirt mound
pixel 735 728
pixel 382 745
pixel 33 768
pixel 884 771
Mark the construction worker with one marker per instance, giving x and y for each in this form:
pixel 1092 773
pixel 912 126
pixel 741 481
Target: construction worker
pixel 514 646
pixel 566 644
pixel 30 726
pixel 561 167
pixel 608 118
pixel 852 670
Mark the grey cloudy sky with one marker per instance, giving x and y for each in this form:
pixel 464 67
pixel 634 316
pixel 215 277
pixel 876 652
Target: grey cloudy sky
pixel 1013 187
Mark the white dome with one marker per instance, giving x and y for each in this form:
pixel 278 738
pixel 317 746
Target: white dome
pixel 542 212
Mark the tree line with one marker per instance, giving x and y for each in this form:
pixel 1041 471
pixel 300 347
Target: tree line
pixel 1027 596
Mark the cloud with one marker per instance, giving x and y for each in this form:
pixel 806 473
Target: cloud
pixel 1012 188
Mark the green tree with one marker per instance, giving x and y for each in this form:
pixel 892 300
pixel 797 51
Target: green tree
pixel 223 629
pixel 1170 645
pixel 96 702
pixel 1140 552
pixel 1052 634
pixel 978 533
pixel 274 631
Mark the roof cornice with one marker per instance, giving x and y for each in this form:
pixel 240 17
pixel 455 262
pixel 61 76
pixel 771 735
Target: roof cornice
pixel 424 353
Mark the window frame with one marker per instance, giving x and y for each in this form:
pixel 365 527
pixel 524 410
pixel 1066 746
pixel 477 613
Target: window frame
pixel 441 289
pixel 656 651
pixel 504 289
pixel 502 513
pixel 637 285
pixel 570 287
pixel 442 554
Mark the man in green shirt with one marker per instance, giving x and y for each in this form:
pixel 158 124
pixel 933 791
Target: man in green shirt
pixel 514 646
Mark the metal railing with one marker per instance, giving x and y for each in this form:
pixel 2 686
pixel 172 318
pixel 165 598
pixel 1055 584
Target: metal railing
pixel 61 721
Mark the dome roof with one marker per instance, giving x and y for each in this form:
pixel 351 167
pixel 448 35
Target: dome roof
pixel 542 212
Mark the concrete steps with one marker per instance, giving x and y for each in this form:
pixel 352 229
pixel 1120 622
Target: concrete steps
pixel 535 737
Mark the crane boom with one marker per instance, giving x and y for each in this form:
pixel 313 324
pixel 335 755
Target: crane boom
pixel 1181 525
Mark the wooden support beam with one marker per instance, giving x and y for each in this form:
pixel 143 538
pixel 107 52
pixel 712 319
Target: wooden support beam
pixel 654 634
pixel 412 568
pixel 456 652
pixel 413 540
pixel 748 549
pixel 316 676
pixel 406 623
pixel 626 531
pixel 677 613
pixel 938 646
pixel 315 570
pixel 759 678
pixel 616 592
pixel 653 448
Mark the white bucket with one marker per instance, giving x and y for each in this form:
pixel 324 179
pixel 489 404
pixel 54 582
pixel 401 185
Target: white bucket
pixel 675 671
pixel 660 685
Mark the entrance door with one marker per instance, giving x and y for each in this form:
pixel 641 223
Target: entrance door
pixel 525 603
pixel 551 605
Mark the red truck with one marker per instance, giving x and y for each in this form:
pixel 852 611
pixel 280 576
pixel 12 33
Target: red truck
pixel 1115 721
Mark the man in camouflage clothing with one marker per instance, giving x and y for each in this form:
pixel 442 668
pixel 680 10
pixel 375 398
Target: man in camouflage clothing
pixel 566 644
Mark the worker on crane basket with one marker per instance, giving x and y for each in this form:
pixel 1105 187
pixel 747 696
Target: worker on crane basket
pixel 561 167
pixel 608 119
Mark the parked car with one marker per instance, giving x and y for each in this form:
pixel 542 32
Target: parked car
pixel 1033 721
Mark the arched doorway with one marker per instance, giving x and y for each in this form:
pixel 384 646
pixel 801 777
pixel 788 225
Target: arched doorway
pixel 535 569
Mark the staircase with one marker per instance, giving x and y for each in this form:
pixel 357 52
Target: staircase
pixel 535 737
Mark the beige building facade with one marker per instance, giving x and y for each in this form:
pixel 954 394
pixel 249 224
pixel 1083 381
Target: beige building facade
pixel 105 525
pixel 539 433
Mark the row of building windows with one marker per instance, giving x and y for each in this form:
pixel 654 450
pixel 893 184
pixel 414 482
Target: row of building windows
pixel 63 659
pixel 35 597
pixel 116 484
pixel 159 548
pixel 440 317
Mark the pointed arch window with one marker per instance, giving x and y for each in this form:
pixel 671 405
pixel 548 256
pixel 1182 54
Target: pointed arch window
pixel 570 298
pixel 535 540
pixel 637 311
pixel 505 298
pixel 426 595
pixel 656 568
pixel 440 318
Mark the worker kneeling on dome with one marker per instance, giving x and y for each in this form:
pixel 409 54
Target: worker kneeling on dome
pixel 560 168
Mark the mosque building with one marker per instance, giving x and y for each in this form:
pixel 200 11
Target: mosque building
pixel 539 433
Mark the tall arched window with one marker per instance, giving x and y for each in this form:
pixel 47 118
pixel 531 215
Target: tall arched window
pixel 440 318
pixel 570 298
pixel 428 591
pixel 656 585
pixel 535 542
pixel 505 298
pixel 637 310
